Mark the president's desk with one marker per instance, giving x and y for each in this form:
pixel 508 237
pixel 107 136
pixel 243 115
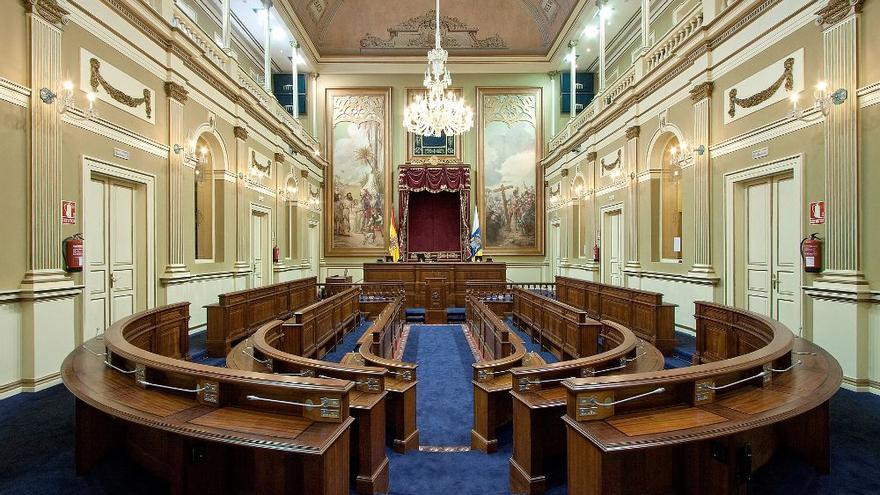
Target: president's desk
pixel 435 286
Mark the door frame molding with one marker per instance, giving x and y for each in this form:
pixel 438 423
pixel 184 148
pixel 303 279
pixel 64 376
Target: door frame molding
pixel 264 210
pixel 91 165
pixel 603 210
pixel 791 163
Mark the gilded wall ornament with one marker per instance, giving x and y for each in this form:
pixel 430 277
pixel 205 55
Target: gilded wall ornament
pixel 787 79
pixel 359 109
pixel 614 164
pixel 418 32
pixel 279 157
pixel 633 132
pixel 591 156
pixel 50 10
pixel 240 133
pixel 95 80
pixel 509 108
pixel 702 91
pixel 836 10
pixel 259 166
pixel 176 92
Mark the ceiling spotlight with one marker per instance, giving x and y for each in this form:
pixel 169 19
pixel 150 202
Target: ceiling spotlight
pixel 591 31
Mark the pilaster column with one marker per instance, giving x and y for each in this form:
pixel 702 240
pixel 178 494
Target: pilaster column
pixel 631 158
pixel 280 205
pixel 552 76
pixel 242 227
pixel 46 21
pixel 177 96
pixel 839 20
pixel 602 22
pixel 646 24
pixel 565 217
pixel 303 224
pixel 701 96
pixel 840 297
pixel 314 99
pixel 591 217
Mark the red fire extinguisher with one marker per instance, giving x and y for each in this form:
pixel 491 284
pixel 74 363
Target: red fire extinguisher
pixel 595 251
pixel 72 251
pixel 276 254
pixel 811 253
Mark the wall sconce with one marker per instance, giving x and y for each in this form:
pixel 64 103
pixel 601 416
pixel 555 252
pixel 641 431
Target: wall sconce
pixel 66 100
pixel 189 152
pixel 823 103
pixel 682 153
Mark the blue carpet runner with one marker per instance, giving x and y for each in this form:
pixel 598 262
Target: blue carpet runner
pixel 198 353
pixel 348 344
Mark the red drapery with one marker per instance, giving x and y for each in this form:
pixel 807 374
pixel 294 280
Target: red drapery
pixel 435 180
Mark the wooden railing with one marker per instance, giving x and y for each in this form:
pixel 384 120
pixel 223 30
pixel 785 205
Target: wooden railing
pixel 763 390
pixel 316 329
pixel 238 314
pixel 641 311
pixel 377 348
pixel 566 331
pixel 134 376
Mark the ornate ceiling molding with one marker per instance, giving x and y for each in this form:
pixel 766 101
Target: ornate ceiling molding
pixel 418 32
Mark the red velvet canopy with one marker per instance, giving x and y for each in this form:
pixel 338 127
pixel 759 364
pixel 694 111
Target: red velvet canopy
pixel 434 180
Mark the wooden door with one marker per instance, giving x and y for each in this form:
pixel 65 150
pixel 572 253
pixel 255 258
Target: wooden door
pixel 112 273
pixel 612 248
pixel 770 262
pixel 259 245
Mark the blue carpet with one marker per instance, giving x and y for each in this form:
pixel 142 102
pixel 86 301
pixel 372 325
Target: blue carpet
pixel 199 354
pixel 531 346
pixel 348 344
pixel 444 395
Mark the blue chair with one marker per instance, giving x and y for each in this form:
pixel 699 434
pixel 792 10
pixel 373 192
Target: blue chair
pixel 415 315
pixel 455 315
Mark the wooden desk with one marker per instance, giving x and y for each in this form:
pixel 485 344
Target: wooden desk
pixel 435 286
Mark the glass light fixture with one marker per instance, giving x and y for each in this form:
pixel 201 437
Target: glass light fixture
pixel 67 101
pixel 439 112
pixel 823 102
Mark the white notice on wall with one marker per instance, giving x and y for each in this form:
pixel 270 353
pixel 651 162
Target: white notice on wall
pixel 676 244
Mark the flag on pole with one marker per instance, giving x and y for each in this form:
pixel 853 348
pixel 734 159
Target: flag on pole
pixel 393 244
pixel 475 243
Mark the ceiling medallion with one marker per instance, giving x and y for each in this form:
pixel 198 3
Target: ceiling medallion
pixel 439 112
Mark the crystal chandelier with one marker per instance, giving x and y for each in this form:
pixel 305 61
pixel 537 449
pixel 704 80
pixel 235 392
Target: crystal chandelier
pixel 438 112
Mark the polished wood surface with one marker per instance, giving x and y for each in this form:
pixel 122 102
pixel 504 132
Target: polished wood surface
pixel 435 286
pixel 377 348
pixel 704 428
pixel 266 350
pixel 316 329
pixel 564 330
pixel 643 312
pixel 187 422
pixel 502 350
pixel 238 314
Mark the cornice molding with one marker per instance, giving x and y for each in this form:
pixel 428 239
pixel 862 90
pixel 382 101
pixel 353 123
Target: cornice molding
pixel 48 10
pixel 702 91
pixel 176 91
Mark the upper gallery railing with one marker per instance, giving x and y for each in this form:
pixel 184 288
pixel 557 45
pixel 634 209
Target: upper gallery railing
pixel 215 54
pixel 644 66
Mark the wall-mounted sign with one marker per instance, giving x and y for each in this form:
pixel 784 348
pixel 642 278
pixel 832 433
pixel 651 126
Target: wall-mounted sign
pixel 760 153
pixel 817 212
pixel 68 212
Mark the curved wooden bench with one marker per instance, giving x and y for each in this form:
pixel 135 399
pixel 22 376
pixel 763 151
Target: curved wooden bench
pixel 238 314
pixel 319 327
pixel 265 351
pixel 539 402
pixel 188 422
pixel 376 348
pixel 629 433
pixel 643 312
pixel 564 330
pixel 491 377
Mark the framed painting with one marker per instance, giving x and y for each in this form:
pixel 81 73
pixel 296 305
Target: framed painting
pixel 509 180
pixel 431 149
pixel 358 182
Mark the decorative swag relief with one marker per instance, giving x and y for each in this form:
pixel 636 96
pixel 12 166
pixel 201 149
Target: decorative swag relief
pixel 611 162
pixel 508 156
pixel 785 77
pixel 115 87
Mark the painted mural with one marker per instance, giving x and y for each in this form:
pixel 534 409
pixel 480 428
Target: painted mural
pixel 359 188
pixel 509 156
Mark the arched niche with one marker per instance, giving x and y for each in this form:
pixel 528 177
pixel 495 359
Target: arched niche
pixel 209 157
pixel 667 205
